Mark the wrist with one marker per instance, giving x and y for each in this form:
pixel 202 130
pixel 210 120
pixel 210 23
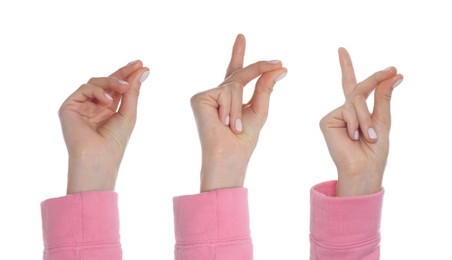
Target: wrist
pixel 221 174
pixel 90 174
pixel 358 185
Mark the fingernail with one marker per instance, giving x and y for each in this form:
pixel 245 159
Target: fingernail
pixel 356 136
pixel 397 83
pixel 123 82
pixel 144 76
pixel 281 76
pixel 238 125
pixel 274 61
pixel 106 95
pixel 388 68
pixel 132 62
pixel 226 121
pixel 372 133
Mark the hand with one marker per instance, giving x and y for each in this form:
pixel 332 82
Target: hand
pixel 358 140
pixel 96 128
pixel 228 129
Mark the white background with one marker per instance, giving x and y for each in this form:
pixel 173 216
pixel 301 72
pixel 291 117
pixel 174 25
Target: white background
pixel 49 48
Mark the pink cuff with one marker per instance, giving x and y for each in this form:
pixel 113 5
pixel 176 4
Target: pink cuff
pixel 78 224
pixel 346 222
pixel 218 215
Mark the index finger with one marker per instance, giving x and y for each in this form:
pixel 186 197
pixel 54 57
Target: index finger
pixel 125 72
pixel 238 55
pixel 348 73
pixel 250 72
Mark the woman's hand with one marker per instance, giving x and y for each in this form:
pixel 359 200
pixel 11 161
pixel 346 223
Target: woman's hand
pixel 358 140
pixel 97 121
pixel 228 129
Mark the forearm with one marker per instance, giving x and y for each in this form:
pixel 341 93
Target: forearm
pixel 213 225
pixel 344 228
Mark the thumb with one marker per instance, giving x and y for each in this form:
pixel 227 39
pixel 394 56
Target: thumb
pixel 260 101
pixel 129 101
pixel 382 99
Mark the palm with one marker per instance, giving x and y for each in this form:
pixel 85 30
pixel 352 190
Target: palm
pixel 220 141
pixel 90 129
pixel 351 156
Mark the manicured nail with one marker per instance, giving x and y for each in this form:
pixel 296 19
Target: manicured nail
pixel 274 61
pixel 281 76
pixel 356 136
pixel 144 76
pixel 397 83
pixel 226 121
pixel 388 68
pixel 372 133
pixel 106 95
pixel 123 82
pixel 132 62
pixel 238 125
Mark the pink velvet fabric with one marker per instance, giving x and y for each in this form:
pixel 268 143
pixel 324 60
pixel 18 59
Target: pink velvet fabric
pixel 210 226
pixel 346 227
pixel 82 226
pixel 213 225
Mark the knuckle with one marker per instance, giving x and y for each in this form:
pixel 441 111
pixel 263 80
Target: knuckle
pixel 195 99
pixel 348 106
pixel 323 123
pixel 233 85
pixel 358 98
pixel 92 79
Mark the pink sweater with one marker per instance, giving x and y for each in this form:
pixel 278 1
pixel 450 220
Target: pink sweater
pixel 211 225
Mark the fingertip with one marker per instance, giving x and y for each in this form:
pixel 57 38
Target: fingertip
pixel 342 52
pixel 398 81
pixel 144 75
pixel 238 125
pixel 355 135
pixel 135 63
pixel 372 134
pixel 123 82
pixel 227 121
pixel 108 98
pixel 281 75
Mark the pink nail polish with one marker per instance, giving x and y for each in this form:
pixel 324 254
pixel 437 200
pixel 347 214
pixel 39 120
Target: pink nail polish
pixel 372 133
pixel 281 76
pixel 397 83
pixel 356 136
pixel 238 125
pixel 144 76
pixel 132 62
pixel 226 121
pixel 107 96
pixel 123 82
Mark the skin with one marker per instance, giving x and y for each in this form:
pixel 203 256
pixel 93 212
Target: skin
pixel 228 129
pixel 360 158
pixel 97 121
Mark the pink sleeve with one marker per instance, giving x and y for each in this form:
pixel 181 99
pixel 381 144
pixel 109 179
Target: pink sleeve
pixel 344 228
pixel 213 225
pixel 82 226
